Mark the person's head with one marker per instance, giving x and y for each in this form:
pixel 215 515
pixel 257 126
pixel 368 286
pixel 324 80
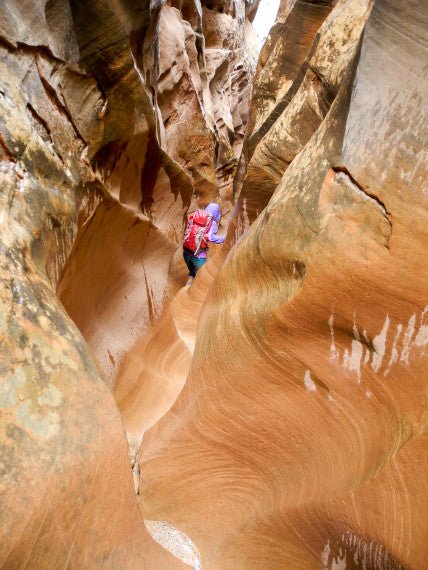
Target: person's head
pixel 214 210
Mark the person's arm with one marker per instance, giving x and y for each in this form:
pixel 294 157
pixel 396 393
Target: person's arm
pixel 212 234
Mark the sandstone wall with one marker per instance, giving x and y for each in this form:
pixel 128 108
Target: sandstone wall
pixel 109 133
pixel 299 434
pixel 297 440
pixel 66 489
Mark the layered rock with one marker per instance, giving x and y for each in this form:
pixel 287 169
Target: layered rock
pixel 171 163
pixel 299 432
pixel 96 182
pixel 296 83
pixel 62 443
pixel 297 439
pixel 186 57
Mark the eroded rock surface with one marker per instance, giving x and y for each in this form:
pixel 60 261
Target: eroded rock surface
pixel 299 432
pixel 297 440
pixel 297 81
pixel 109 132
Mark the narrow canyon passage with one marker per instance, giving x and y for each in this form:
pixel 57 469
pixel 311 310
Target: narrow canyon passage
pixel 272 414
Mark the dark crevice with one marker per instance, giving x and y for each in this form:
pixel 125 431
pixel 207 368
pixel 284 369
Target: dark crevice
pixel 321 386
pixel 352 179
pixel 165 73
pixel 328 3
pixel 5 148
pixel 43 50
pixel 367 342
pixel 102 92
pixel 149 300
pixel 6 44
pixel 42 128
pixel 54 220
pixel 306 222
pixel 149 173
pixel 58 104
pixel 199 44
pixel 39 124
pixel 329 92
pixel 179 179
pixel 345 171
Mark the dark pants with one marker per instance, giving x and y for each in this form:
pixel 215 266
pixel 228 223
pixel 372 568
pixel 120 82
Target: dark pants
pixel 193 263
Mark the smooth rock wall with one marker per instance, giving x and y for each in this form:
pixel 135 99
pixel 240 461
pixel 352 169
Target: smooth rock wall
pixel 298 439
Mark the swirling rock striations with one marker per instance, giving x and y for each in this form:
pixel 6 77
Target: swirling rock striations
pixel 158 162
pixel 110 130
pixel 298 440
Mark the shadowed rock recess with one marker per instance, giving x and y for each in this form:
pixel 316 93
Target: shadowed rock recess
pixel 274 411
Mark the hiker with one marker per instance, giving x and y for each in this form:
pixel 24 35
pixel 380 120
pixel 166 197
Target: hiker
pixel 201 229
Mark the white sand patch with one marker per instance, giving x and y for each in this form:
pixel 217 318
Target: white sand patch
pixel 309 383
pixel 176 542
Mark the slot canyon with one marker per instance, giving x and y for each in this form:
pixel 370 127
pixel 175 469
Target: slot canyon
pixel 272 414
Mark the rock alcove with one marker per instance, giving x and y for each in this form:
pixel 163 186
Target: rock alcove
pixel 274 411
